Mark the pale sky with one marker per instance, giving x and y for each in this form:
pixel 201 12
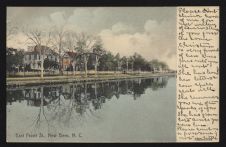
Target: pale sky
pixel 149 31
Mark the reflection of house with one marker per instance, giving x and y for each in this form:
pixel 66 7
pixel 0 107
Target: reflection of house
pixel 68 59
pixel 55 92
pixel 160 79
pixel 32 57
pixel 32 93
pixel 66 89
pixel 33 96
pixel 138 81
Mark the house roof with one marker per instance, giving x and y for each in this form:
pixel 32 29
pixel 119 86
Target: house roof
pixel 37 50
pixel 70 54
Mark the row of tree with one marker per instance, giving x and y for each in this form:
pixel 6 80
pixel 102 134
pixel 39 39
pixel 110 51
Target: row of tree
pixel 87 47
pixel 106 62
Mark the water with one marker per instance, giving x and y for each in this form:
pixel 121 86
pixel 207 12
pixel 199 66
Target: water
pixel 138 110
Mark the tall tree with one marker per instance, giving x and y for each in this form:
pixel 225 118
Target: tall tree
pixel 58 42
pixel 107 62
pixel 139 61
pixel 131 62
pixel 98 51
pixel 118 60
pixel 123 61
pixel 40 39
pixel 84 45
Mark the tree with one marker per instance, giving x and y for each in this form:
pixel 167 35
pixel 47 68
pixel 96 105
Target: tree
pixel 154 64
pixel 107 62
pixel 14 59
pixel 58 41
pixel 131 62
pixel 163 65
pixel 139 62
pixel 125 63
pixel 118 60
pixel 158 65
pixel 41 39
pixel 98 51
pixel 84 44
pixel 50 64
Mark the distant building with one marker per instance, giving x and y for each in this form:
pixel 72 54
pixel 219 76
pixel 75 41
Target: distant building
pixel 68 59
pixel 32 57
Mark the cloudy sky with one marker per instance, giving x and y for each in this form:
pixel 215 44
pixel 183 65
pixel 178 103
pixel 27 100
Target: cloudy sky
pixel 149 31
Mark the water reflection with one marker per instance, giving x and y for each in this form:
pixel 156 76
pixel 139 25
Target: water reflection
pixel 60 106
pixel 83 94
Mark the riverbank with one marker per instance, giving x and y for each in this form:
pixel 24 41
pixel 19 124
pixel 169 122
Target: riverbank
pixel 69 79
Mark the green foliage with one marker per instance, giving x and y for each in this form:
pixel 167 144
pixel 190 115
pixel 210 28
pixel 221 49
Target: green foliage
pixel 13 60
pixel 107 62
pixel 50 64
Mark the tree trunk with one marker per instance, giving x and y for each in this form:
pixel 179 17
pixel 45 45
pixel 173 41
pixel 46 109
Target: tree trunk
pixel 42 65
pixel 73 69
pixel 96 64
pixel 42 98
pixel 127 68
pixel 42 61
pixel 60 65
pixel 85 61
pixel 118 68
pixel 95 90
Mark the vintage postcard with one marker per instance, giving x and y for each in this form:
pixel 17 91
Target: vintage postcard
pixel 112 74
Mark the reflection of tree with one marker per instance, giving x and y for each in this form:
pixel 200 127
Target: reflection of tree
pixel 15 95
pixel 41 113
pixel 62 105
pixel 159 82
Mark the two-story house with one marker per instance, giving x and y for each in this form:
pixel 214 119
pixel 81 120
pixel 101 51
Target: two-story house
pixel 33 56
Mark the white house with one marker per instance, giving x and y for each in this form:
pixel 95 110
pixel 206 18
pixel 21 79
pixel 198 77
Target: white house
pixel 32 58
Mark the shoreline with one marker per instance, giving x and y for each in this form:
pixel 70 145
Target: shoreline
pixel 29 81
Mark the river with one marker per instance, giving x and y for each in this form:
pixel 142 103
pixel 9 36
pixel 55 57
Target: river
pixel 134 110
